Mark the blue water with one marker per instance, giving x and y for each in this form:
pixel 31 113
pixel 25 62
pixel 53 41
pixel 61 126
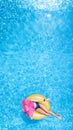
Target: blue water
pixel 36 55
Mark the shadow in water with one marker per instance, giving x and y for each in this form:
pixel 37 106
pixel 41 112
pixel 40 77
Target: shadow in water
pixel 27 119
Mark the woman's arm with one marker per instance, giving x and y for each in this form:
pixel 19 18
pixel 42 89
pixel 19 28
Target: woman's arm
pixel 36 100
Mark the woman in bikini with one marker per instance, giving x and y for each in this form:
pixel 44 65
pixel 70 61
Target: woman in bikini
pixel 29 106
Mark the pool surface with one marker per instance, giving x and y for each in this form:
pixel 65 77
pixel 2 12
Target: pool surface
pixel 36 56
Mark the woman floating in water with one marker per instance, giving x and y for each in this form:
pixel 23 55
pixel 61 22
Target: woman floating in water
pixel 29 106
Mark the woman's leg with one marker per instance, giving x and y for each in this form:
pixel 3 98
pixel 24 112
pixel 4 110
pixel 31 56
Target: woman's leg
pixel 42 112
pixel 49 112
pixel 43 108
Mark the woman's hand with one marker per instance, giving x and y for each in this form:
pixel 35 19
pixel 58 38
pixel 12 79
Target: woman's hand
pixel 46 99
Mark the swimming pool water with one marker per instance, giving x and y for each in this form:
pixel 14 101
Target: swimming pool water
pixel 36 54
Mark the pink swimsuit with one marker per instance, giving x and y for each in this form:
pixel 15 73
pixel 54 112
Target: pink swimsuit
pixel 28 107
